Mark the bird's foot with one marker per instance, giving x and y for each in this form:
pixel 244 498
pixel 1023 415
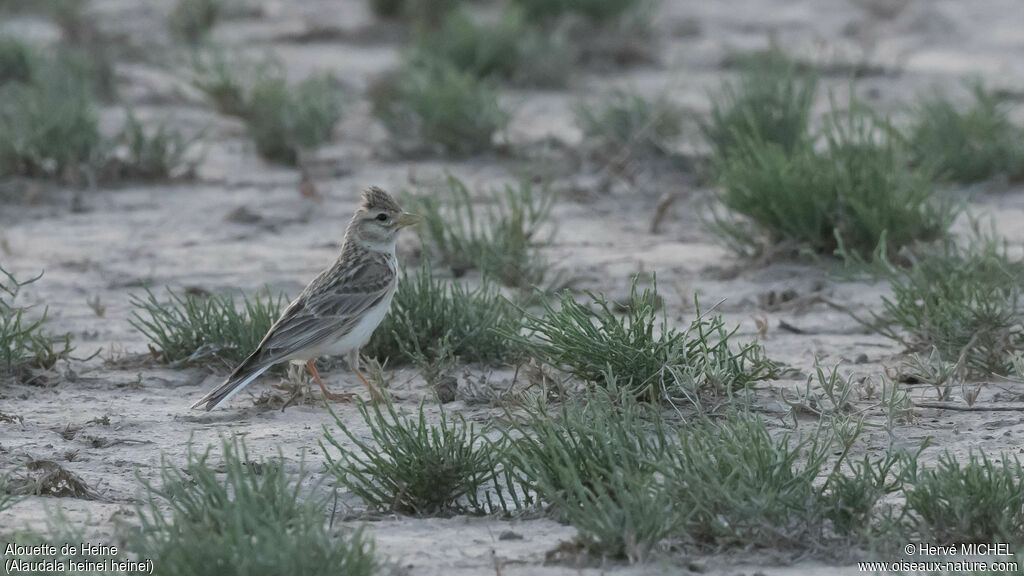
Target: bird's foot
pixel 343 397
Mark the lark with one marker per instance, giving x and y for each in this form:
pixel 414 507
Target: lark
pixel 338 311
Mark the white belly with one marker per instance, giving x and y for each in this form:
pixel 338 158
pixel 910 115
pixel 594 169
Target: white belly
pixel 358 336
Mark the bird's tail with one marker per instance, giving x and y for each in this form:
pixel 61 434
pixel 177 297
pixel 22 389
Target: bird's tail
pixel 246 372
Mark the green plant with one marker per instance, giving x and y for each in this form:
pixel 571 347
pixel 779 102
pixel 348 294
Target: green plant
pixel 16 61
pixel 433 320
pixel 545 58
pixel 281 119
pixel 751 60
pixel 978 501
pixel 85 45
pixel 431 103
pixel 596 461
pixel 501 240
pixel 837 392
pixel 596 10
pixel 256 519
pixel 836 65
pixel 416 467
pixel 971 145
pixel 503 47
pixel 198 327
pixel 23 342
pixel 228 77
pixel 153 154
pixel 615 43
pixel 770 103
pixel 747 488
pixel 387 8
pixel 649 357
pixel 851 197
pixel 49 125
pixel 851 499
pixel 284 120
pixel 192 20
pixel 483 50
pixel 630 481
pixel 423 12
pixel 7 499
pixel 963 303
pixel 624 120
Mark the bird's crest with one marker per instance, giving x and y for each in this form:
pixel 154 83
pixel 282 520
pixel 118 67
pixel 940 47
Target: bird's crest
pixel 375 198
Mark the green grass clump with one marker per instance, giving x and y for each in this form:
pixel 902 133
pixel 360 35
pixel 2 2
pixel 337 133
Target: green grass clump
pixel 431 104
pixel 197 328
pixel 977 501
pixel 83 39
pixel 49 128
pixel 481 49
pixel 504 48
pixel 423 12
pixel 416 467
pixel 769 103
pixel 545 58
pixel 966 146
pixel 647 356
pixel 49 125
pixel 7 499
pixel 836 66
pixel 961 303
pixel 255 519
pixel 387 8
pixel 149 154
pixel 631 481
pixel 283 120
pixel 16 61
pixel 746 487
pixel 227 78
pixel 595 10
pixel 851 501
pixel 750 60
pixel 502 239
pixel 622 121
pixel 596 461
pixel 851 196
pixel 435 320
pixel 23 341
pixel 192 20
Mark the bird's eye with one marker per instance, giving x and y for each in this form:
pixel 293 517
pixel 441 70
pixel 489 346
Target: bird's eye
pixel 382 217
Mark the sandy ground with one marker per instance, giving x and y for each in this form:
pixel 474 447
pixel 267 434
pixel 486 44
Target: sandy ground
pixel 180 235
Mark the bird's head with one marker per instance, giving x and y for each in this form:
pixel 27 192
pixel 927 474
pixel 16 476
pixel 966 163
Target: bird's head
pixel 376 223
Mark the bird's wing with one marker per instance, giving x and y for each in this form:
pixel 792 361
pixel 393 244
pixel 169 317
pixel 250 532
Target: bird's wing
pixel 328 309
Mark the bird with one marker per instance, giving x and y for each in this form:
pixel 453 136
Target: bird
pixel 339 310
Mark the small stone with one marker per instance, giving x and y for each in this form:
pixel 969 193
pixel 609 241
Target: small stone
pixel 243 215
pixel 510 535
pixel 445 387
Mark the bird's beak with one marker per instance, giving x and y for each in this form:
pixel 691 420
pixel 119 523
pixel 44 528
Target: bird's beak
pixel 407 219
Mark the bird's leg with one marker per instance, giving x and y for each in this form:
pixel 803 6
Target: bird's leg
pixel 327 394
pixel 353 363
pixel 375 394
